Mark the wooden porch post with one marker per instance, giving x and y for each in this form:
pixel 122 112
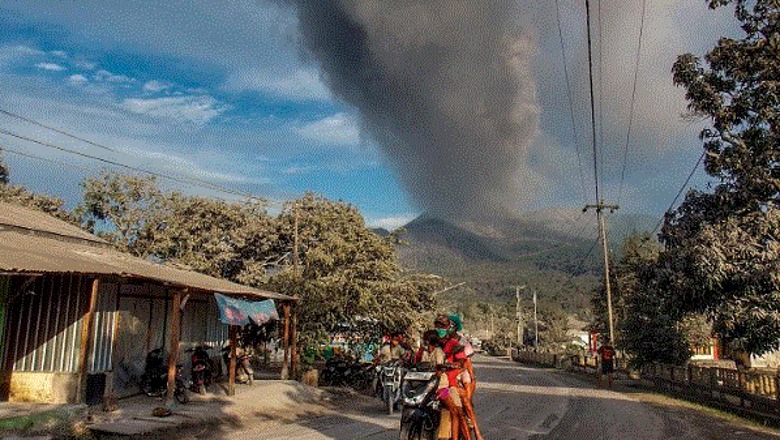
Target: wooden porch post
pixel 294 343
pixel 87 329
pixel 231 391
pixel 175 340
pixel 286 342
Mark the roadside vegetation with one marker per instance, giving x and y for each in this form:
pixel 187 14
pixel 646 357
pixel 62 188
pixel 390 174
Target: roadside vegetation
pixel 717 264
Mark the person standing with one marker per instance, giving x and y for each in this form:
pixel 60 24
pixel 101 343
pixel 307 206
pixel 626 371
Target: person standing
pixel 607 363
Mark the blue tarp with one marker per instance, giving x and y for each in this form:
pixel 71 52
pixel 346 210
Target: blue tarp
pixel 239 312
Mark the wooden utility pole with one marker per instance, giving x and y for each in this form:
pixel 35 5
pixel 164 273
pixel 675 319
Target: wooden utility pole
pixel 233 332
pixel 285 374
pixel 536 324
pixel 603 233
pixel 174 341
pixel 87 329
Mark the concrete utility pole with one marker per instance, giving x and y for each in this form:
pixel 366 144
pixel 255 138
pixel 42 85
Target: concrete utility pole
pixel 519 314
pixel 602 230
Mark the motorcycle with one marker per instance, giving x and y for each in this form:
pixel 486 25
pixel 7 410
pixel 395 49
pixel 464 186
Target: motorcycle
pixel 421 413
pixel 337 372
pixel 202 368
pixel 154 380
pixel 244 371
pixel 390 375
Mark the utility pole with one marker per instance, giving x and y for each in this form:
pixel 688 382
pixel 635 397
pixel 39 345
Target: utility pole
pixel 519 314
pixel 536 324
pixel 602 230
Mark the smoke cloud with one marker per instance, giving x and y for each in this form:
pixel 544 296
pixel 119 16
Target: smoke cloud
pixel 445 88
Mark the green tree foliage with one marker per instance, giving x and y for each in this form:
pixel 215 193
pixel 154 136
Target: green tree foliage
pixel 721 247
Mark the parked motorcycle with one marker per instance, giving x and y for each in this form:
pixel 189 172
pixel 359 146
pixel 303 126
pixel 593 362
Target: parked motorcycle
pixel 421 412
pixel 390 375
pixel 202 368
pixel 154 380
pixel 244 371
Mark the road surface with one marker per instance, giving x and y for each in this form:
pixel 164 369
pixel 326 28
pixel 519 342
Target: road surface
pixel 519 402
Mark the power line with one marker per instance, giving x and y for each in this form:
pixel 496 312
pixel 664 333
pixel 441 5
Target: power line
pixel 186 181
pixel 56 130
pixel 682 188
pixel 601 93
pixel 633 97
pixel 42 159
pixel 571 103
pixel 192 181
pixel 592 104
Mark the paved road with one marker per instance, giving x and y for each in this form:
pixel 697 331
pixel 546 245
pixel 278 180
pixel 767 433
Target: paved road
pixel 517 402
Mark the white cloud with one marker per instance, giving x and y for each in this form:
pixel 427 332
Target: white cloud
pixel 77 80
pixel 390 223
pixel 339 129
pixel 302 85
pixel 156 86
pixel 194 109
pixel 59 53
pixel 105 75
pixel 50 66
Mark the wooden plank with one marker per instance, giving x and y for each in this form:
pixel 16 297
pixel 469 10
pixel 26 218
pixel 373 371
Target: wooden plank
pixel 231 391
pixel 286 342
pixel 87 329
pixel 175 341
pixel 294 343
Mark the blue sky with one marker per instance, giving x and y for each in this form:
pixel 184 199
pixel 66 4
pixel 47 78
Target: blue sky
pixel 228 95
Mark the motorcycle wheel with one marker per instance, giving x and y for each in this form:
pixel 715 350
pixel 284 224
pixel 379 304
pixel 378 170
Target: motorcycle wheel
pixel 388 398
pixel 415 431
pixel 180 394
pixel 145 385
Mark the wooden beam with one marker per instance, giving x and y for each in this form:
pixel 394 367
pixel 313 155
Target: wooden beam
pixel 294 343
pixel 231 391
pixel 175 341
pixel 286 342
pixel 87 328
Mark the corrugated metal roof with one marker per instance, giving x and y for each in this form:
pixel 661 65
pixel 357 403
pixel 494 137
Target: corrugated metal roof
pixel 30 219
pixel 25 252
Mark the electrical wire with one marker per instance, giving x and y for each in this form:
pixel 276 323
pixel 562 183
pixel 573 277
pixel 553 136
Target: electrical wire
pixel 571 102
pixel 43 159
pixel 592 104
pixel 601 93
pixel 192 181
pixel 682 188
pixel 186 181
pixel 633 98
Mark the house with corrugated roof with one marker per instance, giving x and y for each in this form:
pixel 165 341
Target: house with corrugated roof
pixel 77 317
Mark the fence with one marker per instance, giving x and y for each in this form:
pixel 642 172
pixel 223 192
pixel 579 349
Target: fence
pixel 756 392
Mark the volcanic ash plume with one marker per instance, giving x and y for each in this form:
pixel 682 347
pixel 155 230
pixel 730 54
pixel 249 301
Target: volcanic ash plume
pixel 445 87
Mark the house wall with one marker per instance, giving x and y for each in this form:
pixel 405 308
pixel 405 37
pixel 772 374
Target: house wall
pixel 42 338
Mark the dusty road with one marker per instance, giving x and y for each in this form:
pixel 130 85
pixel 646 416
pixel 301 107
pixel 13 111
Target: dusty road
pixel 517 402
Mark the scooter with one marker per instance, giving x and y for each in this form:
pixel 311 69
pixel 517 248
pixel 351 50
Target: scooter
pixel 390 376
pixel 154 380
pixel 421 412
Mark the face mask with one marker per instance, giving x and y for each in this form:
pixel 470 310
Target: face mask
pixel 442 332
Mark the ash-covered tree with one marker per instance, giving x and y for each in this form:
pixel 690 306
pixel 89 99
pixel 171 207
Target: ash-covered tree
pixel 345 272
pixel 723 245
pixel 19 195
pixel 3 171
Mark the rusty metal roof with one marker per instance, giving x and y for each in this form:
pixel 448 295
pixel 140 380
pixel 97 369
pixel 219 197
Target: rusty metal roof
pixel 34 242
